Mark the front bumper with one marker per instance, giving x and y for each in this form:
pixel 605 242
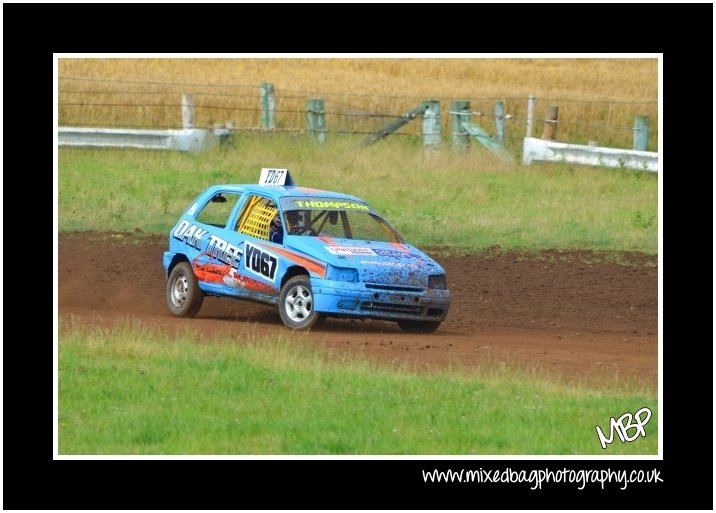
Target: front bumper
pixel 358 300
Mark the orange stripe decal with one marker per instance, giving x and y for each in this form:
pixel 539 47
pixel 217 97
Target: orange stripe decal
pixel 309 263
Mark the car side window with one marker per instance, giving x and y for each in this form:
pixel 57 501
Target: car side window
pixel 217 211
pixel 255 218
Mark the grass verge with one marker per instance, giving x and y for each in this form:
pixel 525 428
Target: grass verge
pixel 136 390
pixel 466 201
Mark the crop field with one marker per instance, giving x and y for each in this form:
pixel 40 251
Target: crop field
pixel 587 78
pixel 553 269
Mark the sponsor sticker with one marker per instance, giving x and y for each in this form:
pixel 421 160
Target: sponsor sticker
pixel 343 205
pixel 348 250
pixel 392 253
pixel 189 233
pixel 389 264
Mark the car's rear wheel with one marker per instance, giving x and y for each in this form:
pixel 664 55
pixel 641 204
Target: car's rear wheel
pixel 419 326
pixel 296 305
pixel 184 297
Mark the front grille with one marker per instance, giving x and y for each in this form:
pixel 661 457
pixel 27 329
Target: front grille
pixel 397 288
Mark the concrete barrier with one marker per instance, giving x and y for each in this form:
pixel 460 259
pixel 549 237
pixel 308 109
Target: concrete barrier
pixel 550 151
pixel 187 139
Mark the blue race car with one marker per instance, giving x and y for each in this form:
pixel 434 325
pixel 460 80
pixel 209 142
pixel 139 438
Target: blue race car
pixel 313 253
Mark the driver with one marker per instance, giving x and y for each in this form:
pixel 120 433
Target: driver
pixel 276 230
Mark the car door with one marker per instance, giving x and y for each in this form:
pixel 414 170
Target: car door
pixel 260 268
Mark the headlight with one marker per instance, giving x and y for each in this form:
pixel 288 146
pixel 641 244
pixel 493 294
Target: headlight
pixel 341 274
pixel 437 282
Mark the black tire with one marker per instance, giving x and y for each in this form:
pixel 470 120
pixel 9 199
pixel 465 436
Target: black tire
pixel 184 297
pixel 419 326
pixel 295 304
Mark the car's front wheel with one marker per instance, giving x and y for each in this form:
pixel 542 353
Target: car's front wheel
pixel 419 326
pixel 296 305
pixel 184 297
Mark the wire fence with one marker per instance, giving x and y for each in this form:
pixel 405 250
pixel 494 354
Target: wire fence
pixel 107 103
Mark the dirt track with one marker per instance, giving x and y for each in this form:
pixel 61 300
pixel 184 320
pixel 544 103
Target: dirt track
pixel 571 314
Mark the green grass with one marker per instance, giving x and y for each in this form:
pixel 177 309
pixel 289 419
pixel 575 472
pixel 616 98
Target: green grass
pixel 467 201
pixel 134 390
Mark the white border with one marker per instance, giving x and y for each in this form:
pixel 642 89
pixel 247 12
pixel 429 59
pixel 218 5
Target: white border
pixel 660 413
pixel 55 262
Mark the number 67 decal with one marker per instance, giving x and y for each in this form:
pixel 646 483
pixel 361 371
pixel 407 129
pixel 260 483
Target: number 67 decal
pixel 260 262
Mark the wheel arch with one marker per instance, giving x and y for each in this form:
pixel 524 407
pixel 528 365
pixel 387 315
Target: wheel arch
pixel 179 257
pixel 294 270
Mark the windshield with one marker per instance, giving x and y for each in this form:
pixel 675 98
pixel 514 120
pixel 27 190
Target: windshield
pixel 344 224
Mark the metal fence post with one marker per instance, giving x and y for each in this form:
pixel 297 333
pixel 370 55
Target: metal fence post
pixel 641 133
pixel 268 106
pixel 530 114
pixel 500 122
pixel 550 124
pixel 431 123
pixel 459 112
pixel 188 111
